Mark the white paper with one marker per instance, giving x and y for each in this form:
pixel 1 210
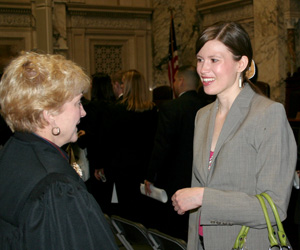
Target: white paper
pixel 156 193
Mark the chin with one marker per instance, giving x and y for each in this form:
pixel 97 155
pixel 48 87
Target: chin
pixel 74 138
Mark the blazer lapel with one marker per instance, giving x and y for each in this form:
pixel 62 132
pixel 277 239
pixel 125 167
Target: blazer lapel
pixel 209 119
pixel 235 117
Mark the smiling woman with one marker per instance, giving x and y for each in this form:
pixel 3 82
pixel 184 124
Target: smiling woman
pixel 243 146
pixel 45 204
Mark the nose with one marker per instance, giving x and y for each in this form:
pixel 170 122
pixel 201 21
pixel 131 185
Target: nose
pixel 204 66
pixel 82 111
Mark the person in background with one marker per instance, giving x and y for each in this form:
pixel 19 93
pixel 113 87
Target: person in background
pixel 5 132
pixel 170 167
pixel 118 85
pixel 134 121
pixel 98 112
pixel 44 202
pixel 243 146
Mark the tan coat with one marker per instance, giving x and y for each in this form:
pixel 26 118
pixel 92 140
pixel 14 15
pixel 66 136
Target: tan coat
pixel 256 152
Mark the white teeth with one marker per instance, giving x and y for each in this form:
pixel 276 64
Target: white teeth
pixel 208 79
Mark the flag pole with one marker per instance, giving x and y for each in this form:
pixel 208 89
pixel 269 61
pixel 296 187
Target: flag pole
pixel 173 55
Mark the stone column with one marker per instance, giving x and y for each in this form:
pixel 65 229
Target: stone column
pixel 270 46
pixel 291 24
pixel 43 17
pixel 60 27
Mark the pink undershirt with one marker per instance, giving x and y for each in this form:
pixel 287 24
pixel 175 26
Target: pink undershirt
pixel 211 153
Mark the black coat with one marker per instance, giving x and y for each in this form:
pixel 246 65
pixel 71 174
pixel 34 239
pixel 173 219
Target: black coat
pixel 129 142
pixel 44 203
pixel 170 166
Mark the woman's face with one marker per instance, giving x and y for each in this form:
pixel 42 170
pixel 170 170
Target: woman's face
pixel 68 120
pixel 218 71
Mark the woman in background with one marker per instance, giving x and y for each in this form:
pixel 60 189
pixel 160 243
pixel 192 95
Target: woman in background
pixel 243 146
pixel 44 202
pixel 132 137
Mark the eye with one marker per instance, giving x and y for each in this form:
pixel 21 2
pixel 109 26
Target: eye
pixel 199 59
pixel 78 103
pixel 214 60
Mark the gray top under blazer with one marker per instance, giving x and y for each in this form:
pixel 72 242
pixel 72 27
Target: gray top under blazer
pixel 256 152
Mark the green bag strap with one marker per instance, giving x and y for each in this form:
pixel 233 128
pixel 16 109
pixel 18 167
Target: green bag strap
pixel 281 234
pixel 272 234
pixel 241 238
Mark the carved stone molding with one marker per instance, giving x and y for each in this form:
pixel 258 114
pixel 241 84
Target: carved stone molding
pixel 106 11
pixel 213 6
pixel 291 19
pixel 102 22
pixel 112 18
pixel 15 20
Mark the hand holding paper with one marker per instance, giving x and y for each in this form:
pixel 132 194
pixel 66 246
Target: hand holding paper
pixel 156 193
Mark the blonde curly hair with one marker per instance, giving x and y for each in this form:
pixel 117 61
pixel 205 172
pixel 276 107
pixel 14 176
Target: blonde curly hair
pixel 35 82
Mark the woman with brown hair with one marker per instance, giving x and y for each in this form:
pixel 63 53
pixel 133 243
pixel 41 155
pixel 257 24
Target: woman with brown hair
pixel 243 146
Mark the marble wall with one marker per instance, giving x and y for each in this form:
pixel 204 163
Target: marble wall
pixel 186 22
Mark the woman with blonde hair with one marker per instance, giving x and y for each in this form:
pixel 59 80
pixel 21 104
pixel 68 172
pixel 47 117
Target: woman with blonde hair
pixel 137 96
pixel 44 202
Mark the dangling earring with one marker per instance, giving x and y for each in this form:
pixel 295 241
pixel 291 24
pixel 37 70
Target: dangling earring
pixel 240 82
pixel 55 131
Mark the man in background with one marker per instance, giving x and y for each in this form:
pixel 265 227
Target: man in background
pixel 170 166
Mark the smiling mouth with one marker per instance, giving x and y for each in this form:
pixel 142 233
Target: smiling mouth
pixel 207 81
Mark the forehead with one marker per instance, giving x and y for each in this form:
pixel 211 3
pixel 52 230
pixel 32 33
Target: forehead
pixel 214 48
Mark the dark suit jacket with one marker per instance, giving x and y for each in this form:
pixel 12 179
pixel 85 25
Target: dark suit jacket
pixel 132 136
pixel 170 167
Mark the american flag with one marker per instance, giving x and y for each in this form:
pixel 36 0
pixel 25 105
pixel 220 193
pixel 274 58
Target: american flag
pixel 173 56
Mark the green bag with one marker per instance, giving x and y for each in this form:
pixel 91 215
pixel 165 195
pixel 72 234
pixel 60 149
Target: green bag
pixel 283 243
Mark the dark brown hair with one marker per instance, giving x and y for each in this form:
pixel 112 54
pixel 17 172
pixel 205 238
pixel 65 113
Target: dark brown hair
pixel 233 36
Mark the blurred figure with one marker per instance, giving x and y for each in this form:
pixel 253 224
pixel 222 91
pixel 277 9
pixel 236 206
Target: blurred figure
pixel 162 94
pixel 44 202
pixel 118 85
pixel 170 167
pixel 102 96
pixel 5 132
pixel 134 122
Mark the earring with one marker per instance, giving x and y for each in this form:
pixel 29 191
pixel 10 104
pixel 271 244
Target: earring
pixel 240 82
pixel 55 131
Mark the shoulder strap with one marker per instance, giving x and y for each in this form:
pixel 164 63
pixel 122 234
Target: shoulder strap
pixel 241 238
pixel 272 234
pixel 281 233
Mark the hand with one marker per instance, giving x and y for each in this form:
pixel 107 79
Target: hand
pixel 187 199
pixel 80 133
pixel 147 187
pixel 97 173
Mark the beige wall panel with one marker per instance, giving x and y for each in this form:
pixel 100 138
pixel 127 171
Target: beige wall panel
pixel 78 47
pixel 101 2
pixel 125 42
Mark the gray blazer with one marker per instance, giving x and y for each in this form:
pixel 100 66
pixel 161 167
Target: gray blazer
pixel 256 152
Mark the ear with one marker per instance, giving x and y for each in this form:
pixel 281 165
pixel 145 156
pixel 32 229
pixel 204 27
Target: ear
pixel 48 117
pixel 181 81
pixel 243 63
